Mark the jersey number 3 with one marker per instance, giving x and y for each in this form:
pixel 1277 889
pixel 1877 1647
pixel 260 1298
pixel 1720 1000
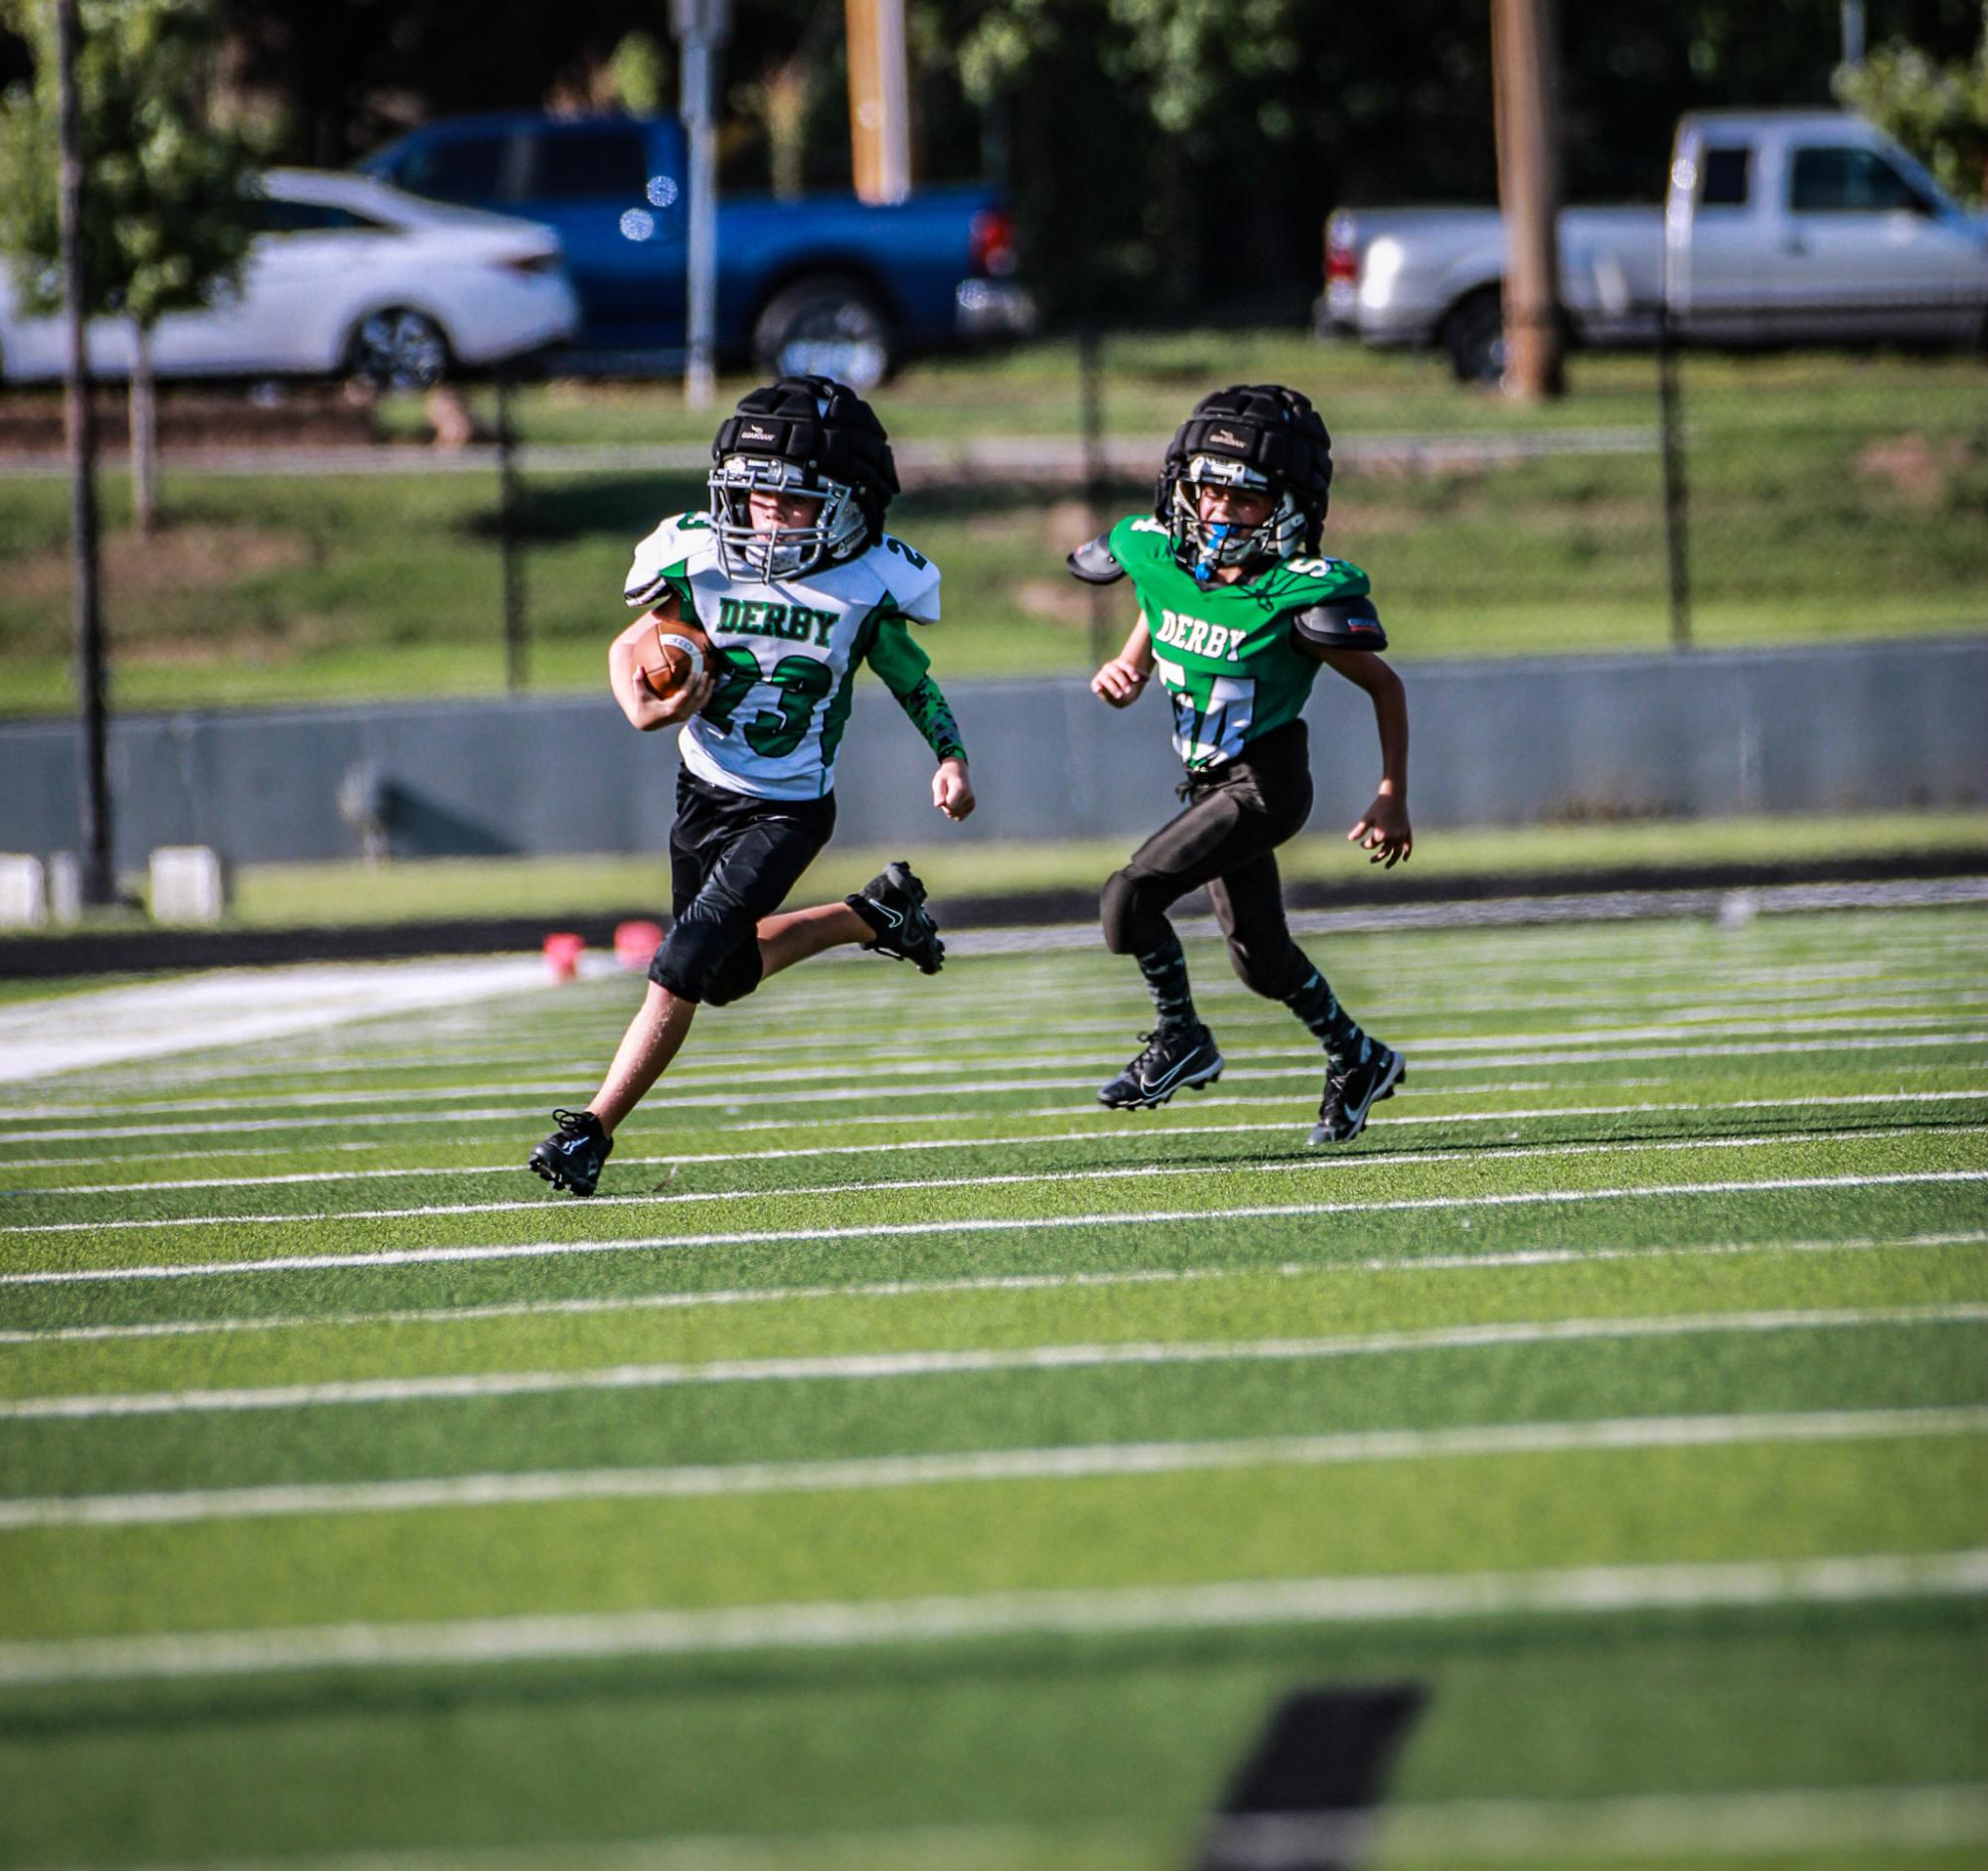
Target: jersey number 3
pixel 803 683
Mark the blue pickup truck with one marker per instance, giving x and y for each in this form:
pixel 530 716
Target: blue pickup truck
pixel 826 284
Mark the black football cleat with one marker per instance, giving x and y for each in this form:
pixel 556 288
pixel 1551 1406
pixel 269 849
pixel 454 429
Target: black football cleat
pixel 893 904
pixel 1351 1092
pixel 1170 1058
pixel 572 1158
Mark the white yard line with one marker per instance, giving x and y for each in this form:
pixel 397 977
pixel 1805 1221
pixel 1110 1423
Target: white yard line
pixel 1845 1579
pixel 459 1386
pixel 240 1006
pixel 1108 1173
pixel 885 1230
pixel 755 1092
pixel 509 1165
pixel 985 1282
pixel 1696 1828
pixel 708 1075
pixel 1252 1016
pixel 1104 1461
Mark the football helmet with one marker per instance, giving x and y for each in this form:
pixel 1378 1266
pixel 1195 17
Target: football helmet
pixel 1255 437
pixel 809 437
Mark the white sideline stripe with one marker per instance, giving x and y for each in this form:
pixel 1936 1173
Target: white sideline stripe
pixel 755 1093
pixel 508 1167
pixel 885 1230
pixel 476 1385
pixel 988 1283
pixel 1080 1463
pixel 1108 1173
pixel 1231 1604
pixel 710 1074
pixel 240 1006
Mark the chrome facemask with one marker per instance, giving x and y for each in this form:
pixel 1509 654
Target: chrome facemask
pixel 1204 546
pixel 789 552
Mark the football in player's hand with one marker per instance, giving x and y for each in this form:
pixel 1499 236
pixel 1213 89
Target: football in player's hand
pixel 672 656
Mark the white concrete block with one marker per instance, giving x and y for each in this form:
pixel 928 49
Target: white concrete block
pixel 64 889
pixel 189 884
pixel 24 891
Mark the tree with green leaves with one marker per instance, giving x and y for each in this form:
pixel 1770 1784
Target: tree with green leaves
pixel 1937 110
pixel 168 198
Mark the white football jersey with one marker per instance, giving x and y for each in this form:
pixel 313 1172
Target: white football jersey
pixel 785 652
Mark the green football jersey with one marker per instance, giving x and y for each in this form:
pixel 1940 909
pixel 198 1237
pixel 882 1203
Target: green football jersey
pixel 1227 653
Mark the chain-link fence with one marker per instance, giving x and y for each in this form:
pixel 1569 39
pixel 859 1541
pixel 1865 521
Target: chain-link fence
pixel 1669 496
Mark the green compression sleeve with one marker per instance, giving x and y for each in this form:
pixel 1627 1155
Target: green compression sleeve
pixel 907 673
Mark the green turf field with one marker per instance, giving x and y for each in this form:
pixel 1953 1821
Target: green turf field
pixel 903 1461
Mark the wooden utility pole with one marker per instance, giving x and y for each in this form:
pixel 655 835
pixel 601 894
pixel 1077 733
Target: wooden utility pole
pixel 99 882
pixel 880 101
pixel 1522 60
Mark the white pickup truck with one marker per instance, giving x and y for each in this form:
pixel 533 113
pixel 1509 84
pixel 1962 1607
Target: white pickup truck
pixel 1779 227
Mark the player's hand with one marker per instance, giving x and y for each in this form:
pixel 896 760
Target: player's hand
pixel 1118 683
pixel 686 701
pixel 953 789
pixel 1384 831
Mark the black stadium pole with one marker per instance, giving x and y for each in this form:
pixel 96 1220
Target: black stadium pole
pixel 99 884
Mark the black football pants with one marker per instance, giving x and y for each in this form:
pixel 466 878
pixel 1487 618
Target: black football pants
pixel 1235 818
pixel 733 859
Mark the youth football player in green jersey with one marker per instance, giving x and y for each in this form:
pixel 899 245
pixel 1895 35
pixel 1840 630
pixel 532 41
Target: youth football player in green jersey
pixel 1237 614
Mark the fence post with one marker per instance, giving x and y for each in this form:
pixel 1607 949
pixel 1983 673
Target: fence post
pixel 510 552
pixel 1091 403
pixel 1676 506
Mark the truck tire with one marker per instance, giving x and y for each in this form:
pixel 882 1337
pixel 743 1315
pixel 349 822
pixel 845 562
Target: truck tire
pixel 828 325
pixel 1474 335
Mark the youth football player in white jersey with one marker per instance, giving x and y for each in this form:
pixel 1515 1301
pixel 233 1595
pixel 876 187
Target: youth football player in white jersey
pixel 792 576
pixel 1237 612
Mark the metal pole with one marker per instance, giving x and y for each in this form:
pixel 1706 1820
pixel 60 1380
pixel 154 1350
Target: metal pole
pixel 1091 404
pixel 1852 14
pixel 1676 509
pixel 701 25
pixel 510 552
pixel 100 883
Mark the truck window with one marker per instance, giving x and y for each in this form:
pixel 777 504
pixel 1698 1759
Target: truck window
pixel 1724 178
pixel 568 165
pixel 1850 182
pixel 455 169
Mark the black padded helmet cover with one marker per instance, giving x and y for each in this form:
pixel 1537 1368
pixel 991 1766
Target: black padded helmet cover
pixel 1266 428
pixel 827 433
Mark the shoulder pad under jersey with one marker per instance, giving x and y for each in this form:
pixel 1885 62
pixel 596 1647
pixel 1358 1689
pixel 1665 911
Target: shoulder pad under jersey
pixel 1095 562
pixel 665 551
pixel 1348 623
pixel 910 578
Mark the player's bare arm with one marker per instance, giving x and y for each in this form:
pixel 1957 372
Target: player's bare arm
pixel 1122 681
pixel 1383 829
pixel 624 671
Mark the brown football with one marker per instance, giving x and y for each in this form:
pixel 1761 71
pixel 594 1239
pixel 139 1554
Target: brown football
pixel 673 654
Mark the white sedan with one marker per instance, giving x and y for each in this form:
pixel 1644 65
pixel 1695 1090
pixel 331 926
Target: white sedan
pixel 346 276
